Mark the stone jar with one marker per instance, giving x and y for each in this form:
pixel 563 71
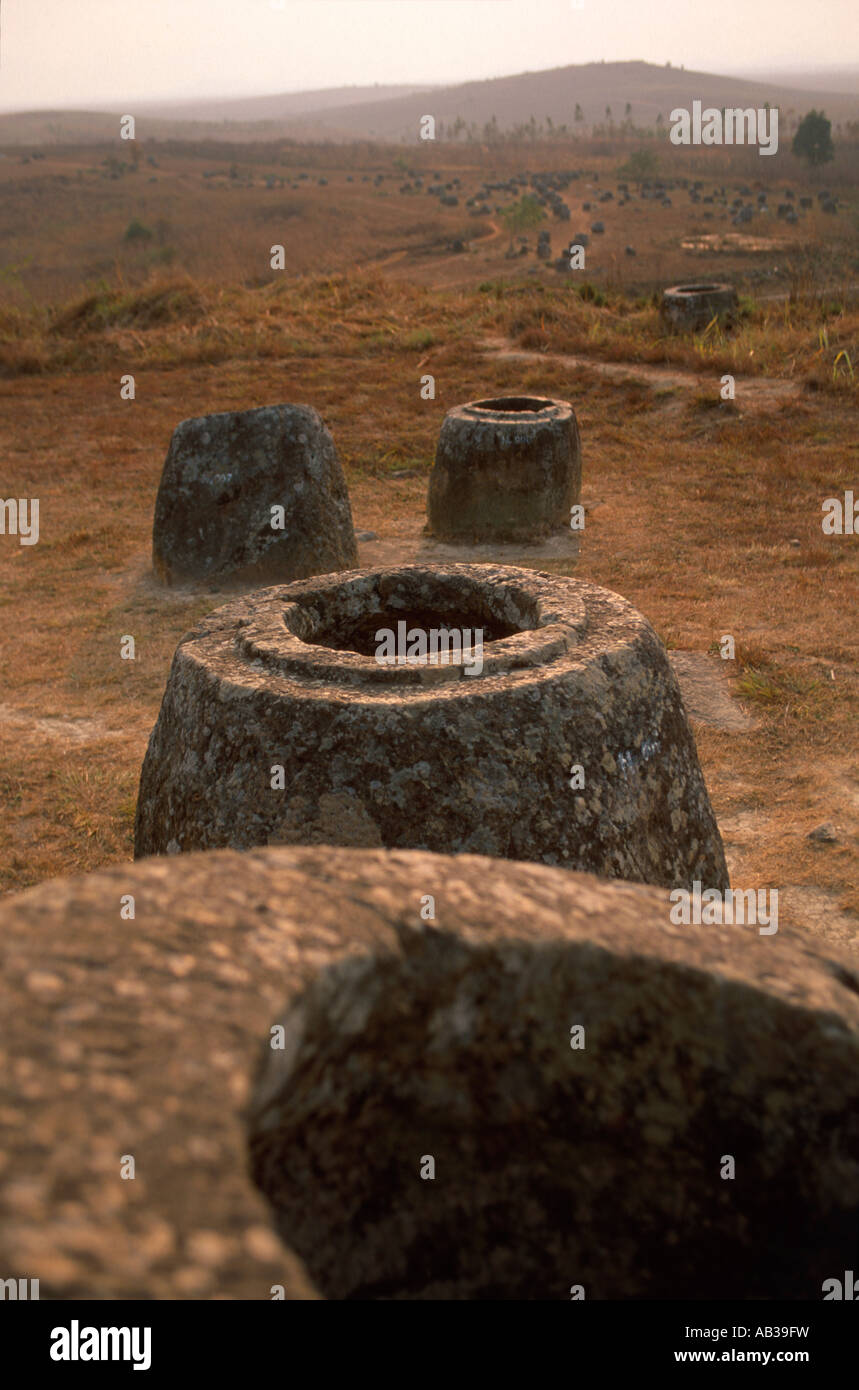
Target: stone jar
pixel 691 307
pixel 435 1077
pixel 250 497
pixel 507 469
pixel 288 718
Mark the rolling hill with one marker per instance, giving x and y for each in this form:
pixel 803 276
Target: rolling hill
pixel 634 90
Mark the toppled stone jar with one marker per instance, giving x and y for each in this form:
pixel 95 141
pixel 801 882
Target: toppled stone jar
pixel 252 496
pixel 534 1096
pixel 506 469
pixel 457 708
pixel 530 1089
pixel 692 307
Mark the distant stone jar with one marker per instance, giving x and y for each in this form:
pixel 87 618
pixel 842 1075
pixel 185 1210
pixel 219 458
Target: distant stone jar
pixel 557 735
pixel 252 496
pixel 692 307
pixel 506 469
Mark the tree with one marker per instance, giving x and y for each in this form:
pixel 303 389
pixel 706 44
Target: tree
pixel 813 139
pixel 136 231
pixel 580 115
pixel 523 215
pixel 642 164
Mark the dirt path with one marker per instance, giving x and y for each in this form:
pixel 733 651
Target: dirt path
pixel 781 295
pixel 754 392
pixel 69 730
pixel 496 232
pixel 396 256
pixel 383 264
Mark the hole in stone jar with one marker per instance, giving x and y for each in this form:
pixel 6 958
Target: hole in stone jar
pixel 510 404
pixel 345 619
pixel 698 289
pixel 359 634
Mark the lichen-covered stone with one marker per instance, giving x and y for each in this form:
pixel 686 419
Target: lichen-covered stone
pixel 408 1038
pixel 506 469
pixel 601 1165
pixel 225 473
pixel 692 307
pixel 431 758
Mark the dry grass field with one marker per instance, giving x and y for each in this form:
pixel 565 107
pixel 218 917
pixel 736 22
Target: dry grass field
pixel 705 513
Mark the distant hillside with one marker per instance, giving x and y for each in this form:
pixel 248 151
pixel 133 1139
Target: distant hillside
pixel 249 118
pixel 99 127
pixel 840 80
pixel 393 113
pixel 282 106
pixel 648 89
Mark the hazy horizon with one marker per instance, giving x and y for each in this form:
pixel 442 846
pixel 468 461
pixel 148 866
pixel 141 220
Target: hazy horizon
pixel 88 54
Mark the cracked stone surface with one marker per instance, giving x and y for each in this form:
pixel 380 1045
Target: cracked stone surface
pixel 406 1039
pixel 222 476
pixel 431 758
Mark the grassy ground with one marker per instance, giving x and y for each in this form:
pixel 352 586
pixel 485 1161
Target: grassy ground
pixel 705 513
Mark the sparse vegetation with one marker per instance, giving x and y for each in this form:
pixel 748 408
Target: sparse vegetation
pixel 699 537
pixel 641 164
pixel 813 139
pixel 135 231
pixel 524 214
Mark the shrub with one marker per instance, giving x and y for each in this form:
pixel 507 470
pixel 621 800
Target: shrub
pixel 135 231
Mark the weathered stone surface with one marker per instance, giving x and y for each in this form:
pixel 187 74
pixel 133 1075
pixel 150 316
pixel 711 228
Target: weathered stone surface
pixel 222 476
pixel 428 757
pixel 509 468
pixel 136 1037
pixel 690 307
pixel 553 1166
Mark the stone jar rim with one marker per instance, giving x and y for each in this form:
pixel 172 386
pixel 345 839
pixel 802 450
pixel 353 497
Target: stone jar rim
pixel 700 287
pixel 519 410
pixel 279 634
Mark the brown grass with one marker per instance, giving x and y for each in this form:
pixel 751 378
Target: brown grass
pixel 695 509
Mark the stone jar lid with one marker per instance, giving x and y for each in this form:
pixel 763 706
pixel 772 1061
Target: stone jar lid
pixel 280 725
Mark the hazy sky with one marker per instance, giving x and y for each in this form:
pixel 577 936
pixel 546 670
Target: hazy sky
pixel 59 53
